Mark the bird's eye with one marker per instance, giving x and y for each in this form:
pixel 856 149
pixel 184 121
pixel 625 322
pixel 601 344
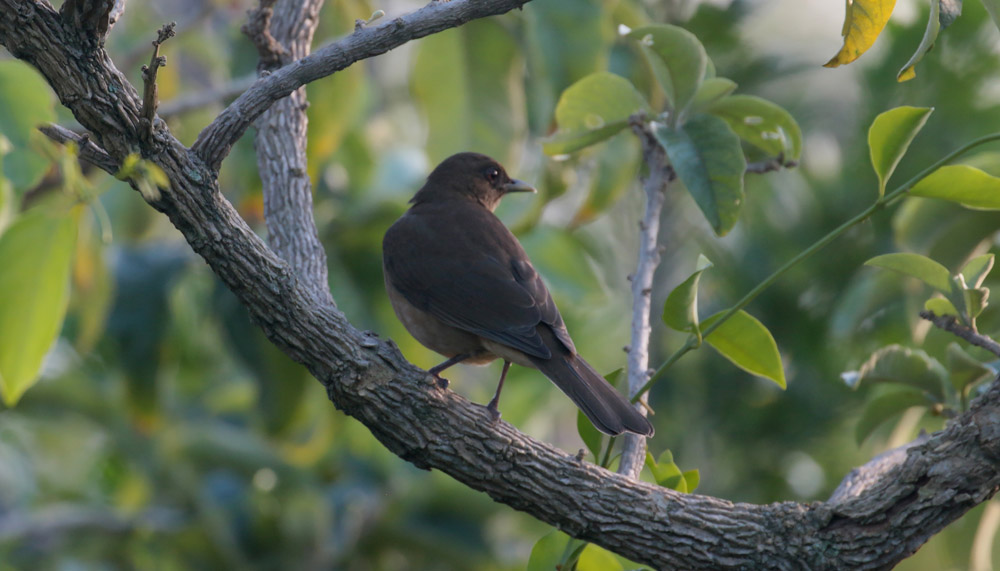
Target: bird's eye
pixel 493 174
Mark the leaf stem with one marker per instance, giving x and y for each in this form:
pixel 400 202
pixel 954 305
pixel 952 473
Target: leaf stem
pixel 888 199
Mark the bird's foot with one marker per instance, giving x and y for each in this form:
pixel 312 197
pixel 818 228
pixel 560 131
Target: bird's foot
pixel 442 382
pixel 494 411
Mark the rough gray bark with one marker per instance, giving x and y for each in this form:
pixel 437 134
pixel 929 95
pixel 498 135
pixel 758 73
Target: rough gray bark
pixel 283 34
pixel 655 188
pixel 873 526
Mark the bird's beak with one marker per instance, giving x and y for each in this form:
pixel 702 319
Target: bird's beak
pixel 518 186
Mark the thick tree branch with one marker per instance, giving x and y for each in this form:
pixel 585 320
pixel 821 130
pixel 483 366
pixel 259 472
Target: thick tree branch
pixel 92 19
pixel 283 33
pixel 367 378
pixel 216 140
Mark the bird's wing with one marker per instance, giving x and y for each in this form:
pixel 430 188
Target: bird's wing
pixel 487 288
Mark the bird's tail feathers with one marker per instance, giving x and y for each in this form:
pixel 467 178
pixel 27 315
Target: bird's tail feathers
pixel 606 408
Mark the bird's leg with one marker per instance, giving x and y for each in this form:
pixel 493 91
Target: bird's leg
pixel 492 406
pixel 436 370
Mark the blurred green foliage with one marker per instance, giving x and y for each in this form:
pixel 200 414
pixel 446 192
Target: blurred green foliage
pixel 165 432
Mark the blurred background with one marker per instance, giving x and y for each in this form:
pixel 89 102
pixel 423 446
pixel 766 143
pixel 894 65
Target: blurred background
pixel 167 433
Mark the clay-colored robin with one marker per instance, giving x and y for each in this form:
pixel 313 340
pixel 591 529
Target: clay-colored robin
pixel 463 286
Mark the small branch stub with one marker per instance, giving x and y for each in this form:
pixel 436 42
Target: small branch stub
pixel 149 95
pixel 258 29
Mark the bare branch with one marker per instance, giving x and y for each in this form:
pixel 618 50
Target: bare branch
pixel 771 165
pixel 655 186
pixel 950 324
pixel 216 140
pixel 87 149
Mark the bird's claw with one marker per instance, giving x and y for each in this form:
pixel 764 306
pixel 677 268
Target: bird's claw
pixel 494 412
pixel 442 382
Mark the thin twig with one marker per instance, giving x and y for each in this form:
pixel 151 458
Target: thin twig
pixel 87 149
pixel 149 95
pixel 951 324
pixel 770 165
pixel 258 29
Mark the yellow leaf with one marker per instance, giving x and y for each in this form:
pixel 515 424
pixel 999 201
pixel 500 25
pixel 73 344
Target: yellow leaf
pixel 862 25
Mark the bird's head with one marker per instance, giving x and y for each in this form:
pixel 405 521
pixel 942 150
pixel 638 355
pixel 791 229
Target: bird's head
pixel 469 176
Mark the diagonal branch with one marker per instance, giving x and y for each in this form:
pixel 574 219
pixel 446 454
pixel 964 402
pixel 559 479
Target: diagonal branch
pixel 216 140
pixel 873 527
pixel 951 324
pixel 88 151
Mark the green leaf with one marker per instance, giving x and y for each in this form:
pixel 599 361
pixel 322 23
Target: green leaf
pixel 976 300
pixel 963 369
pixel 884 407
pixel 693 479
pixel 680 311
pixel 708 159
pixel 941 306
pixel 942 14
pixel 904 366
pixel 926 43
pixel 968 186
pixel 975 270
pixel 591 110
pixel 678 60
pixel 35 255
pixel 665 471
pixel 747 344
pixel 761 123
pixel 712 90
pixel 596 558
pixel 890 136
pixel 863 22
pixel 462 82
pixel 25 103
pixel 917 266
pixel 548 551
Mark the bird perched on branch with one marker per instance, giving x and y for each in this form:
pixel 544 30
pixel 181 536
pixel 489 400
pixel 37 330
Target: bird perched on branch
pixel 463 286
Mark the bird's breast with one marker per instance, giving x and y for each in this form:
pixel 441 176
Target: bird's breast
pixel 432 333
